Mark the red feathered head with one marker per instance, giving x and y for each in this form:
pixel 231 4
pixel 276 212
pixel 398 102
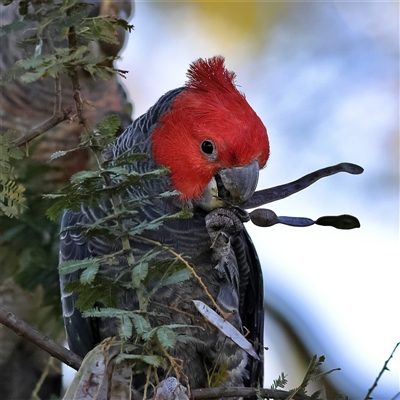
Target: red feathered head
pixel 209 127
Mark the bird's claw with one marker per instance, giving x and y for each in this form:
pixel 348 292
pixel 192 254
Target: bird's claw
pixel 226 221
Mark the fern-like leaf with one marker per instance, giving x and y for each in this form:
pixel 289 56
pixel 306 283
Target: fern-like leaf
pixel 142 326
pixel 218 376
pixel 166 336
pixel 68 267
pixel 153 360
pixel 100 290
pixel 108 128
pixel 312 374
pixel 280 382
pixel 12 197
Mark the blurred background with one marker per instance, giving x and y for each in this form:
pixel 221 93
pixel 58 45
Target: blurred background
pixel 324 78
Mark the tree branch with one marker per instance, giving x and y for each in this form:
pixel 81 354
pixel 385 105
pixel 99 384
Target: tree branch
pixel 37 337
pixel 74 361
pixel 72 44
pixel 219 392
pixel 44 127
pixel 58 115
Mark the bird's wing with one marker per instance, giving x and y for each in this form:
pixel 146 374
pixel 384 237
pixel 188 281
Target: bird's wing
pixel 84 333
pixel 81 332
pixel 252 297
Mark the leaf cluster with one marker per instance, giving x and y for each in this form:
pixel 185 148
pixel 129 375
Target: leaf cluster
pixel 313 373
pixel 56 39
pixel 29 243
pixel 47 54
pixel 42 31
pixel 12 197
pixel 145 342
pixel 280 382
pixel 111 185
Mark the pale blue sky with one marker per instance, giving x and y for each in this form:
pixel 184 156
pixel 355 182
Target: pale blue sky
pixel 326 86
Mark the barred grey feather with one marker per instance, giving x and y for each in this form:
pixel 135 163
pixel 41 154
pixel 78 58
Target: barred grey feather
pixel 237 289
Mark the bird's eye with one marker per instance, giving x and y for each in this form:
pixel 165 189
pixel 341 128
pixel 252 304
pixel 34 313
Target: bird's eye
pixel 207 147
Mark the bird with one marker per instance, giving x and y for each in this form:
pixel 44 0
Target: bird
pixel 213 144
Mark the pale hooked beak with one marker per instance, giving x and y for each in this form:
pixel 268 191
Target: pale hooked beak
pixel 230 186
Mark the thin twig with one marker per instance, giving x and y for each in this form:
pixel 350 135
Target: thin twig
pixel 177 310
pixel 174 365
pixel 58 115
pixel 76 87
pixel 41 340
pixel 49 365
pixel 56 119
pixel 384 368
pixel 115 200
pixel 188 266
pixel 146 386
pixel 57 80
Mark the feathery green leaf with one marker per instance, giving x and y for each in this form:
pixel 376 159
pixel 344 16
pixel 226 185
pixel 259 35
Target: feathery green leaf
pixel 89 273
pixel 99 291
pixel 139 273
pixel 69 267
pixel 153 360
pixel 166 336
pixel 280 382
pixel 141 325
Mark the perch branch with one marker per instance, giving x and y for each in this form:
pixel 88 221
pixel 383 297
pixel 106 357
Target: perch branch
pixel 74 361
pixel 222 392
pixel 57 118
pixel 40 339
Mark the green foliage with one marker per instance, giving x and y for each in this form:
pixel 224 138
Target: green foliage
pixel 29 243
pixel 42 31
pixel 98 290
pixel 68 267
pixel 49 25
pixel 61 61
pixel 13 27
pixel 107 129
pixel 219 376
pixel 166 336
pixel 152 342
pixel 280 382
pixel 341 396
pixel 312 374
pixel 98 28
pixel 12 197
pixel 145 340
pixel 112 178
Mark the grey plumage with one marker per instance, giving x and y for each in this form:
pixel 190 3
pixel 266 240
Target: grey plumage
pixel 233 279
